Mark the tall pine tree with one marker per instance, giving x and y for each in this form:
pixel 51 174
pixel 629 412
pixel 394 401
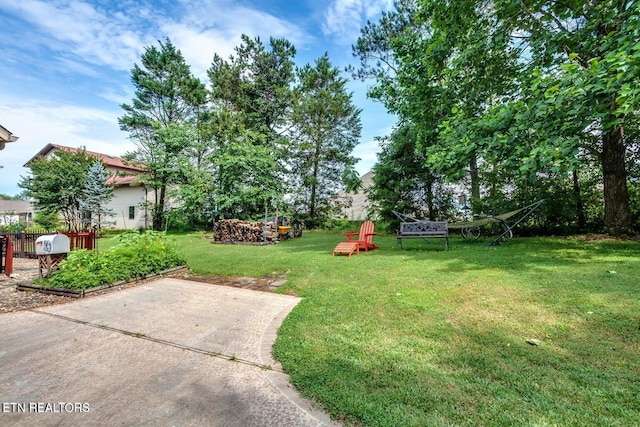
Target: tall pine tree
pixel 327 128
pixel 159 119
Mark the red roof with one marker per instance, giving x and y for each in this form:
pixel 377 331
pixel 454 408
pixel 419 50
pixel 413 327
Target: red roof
pixel 113 162
pixel 122 180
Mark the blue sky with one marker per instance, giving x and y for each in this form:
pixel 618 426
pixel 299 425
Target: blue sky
pixel 65 65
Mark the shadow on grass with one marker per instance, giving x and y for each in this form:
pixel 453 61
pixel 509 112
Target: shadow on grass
pixel 477 253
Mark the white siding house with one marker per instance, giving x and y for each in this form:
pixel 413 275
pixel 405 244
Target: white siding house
pixel 128 206
pixel 16 212
pixel 129 197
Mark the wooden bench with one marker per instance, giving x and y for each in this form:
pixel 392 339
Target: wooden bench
pixel 424 230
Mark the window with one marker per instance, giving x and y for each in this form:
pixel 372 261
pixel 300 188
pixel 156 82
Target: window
pixel 132 212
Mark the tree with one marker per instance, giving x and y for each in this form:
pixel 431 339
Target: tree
pixel 251 96
pixel 57 183
pixel 48 220
pixel 585 63
pixel 327 127
pixel 526 86
pixel 404 183
pixel 96 195
pixel 256 85
pixel 404 180
pixel 378 51
pixel 168 98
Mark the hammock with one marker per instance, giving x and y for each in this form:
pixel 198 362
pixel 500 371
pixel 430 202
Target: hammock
pixel 525 212
pixel 486 220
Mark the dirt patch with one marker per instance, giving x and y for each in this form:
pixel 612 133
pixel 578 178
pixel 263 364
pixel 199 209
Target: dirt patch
pixel 26 270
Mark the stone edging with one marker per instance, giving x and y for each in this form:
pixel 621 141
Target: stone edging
pixel 80 293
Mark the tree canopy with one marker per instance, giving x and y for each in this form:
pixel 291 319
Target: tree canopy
pixel 241 143
pixel 504 91
pixel 165 107
pixel 57 185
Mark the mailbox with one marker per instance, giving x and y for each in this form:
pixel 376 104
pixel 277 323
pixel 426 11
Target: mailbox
pixel 52 244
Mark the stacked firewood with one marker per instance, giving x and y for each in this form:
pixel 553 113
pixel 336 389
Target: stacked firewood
pixel 238 231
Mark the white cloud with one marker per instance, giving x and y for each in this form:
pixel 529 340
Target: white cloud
pixel 38 123
pixel 78 28
pixel 207 28
pixel 344 18
pixel 81 32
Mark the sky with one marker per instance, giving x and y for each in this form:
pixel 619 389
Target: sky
pixel 65 65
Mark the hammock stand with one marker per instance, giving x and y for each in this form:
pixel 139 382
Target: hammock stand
pixel 507 227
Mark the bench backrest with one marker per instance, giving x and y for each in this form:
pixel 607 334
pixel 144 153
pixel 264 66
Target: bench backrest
pixel 424 228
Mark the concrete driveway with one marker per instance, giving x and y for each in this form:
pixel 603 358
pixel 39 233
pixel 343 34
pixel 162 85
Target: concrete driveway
pixel 167 353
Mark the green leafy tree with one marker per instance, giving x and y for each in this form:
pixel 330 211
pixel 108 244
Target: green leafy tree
pixel 48 220
pixel 96 196
pixel 248 178
pixel 255 84
pixel 585 65
pixel 251 96
pixel 378 49
pixel 404 183
pixel 527 86
pixel 160 118
pixel 327 128
pixel 404 180
pixel 56 184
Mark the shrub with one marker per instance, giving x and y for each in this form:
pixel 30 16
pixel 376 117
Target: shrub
pixel 135 255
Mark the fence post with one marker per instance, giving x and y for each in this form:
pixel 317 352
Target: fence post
pixel 8 261
pixel 23 242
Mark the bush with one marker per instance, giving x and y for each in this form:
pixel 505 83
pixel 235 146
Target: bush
pixel 135 255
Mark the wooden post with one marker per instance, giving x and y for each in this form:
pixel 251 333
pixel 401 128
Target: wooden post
pixel 22 244
pixel 8 261
pixel 48 263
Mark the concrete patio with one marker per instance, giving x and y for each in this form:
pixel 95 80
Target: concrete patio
pixel 167 353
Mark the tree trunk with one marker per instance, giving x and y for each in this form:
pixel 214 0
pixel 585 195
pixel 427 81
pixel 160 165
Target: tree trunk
pixel 617 214
pixel 475 182
pixel 433 214
pixel 314 182
pixel 158 209
pixel 580 215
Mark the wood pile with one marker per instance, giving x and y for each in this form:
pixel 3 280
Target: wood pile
pixel 238 231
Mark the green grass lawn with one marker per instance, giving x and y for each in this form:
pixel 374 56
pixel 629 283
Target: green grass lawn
pixel 426 337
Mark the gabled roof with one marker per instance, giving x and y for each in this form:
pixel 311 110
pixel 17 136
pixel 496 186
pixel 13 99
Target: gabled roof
pixel 15 206
pixel 6 135
pixel 113 162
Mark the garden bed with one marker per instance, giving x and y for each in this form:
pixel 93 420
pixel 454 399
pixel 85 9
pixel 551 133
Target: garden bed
pixel 80 293
pixel 12 299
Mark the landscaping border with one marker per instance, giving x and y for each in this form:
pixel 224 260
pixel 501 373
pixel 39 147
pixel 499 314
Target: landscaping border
pixel 80 293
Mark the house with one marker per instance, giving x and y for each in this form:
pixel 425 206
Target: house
pixel 358 203
pixel 5 137
pixel 130 198
pixel 16 212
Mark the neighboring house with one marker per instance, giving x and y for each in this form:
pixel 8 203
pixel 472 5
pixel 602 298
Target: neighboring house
pixel 359 204
pixel 6 136
pixel 129 197
pixel 16 212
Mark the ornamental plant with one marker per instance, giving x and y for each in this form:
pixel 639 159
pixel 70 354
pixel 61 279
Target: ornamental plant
pixel 137 254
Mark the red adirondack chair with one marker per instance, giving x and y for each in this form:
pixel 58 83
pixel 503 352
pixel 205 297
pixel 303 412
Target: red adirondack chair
pixel 364 237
